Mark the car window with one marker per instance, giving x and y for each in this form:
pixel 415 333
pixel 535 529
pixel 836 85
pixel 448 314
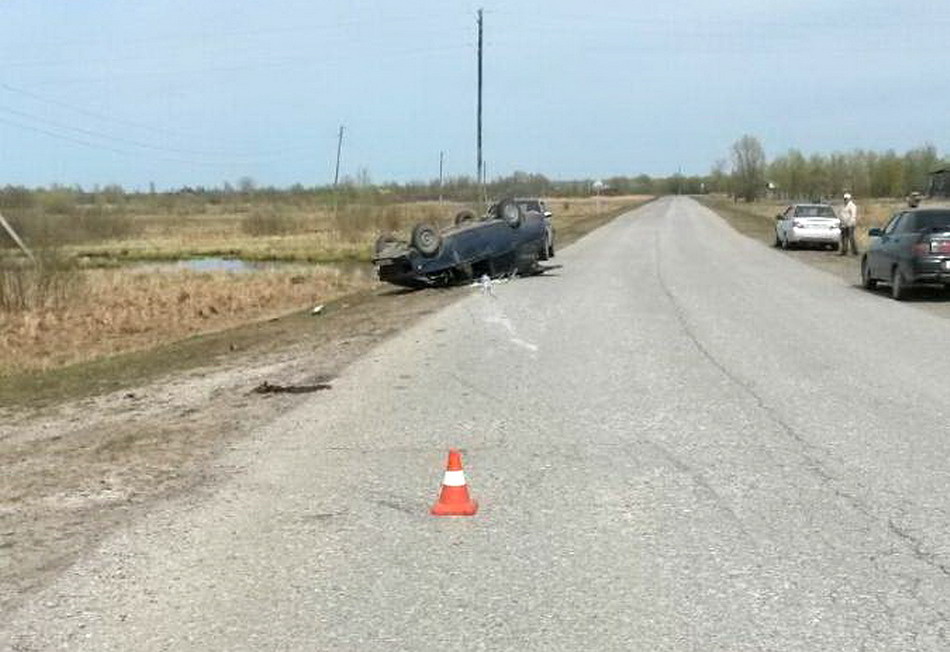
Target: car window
pixel 893 224
pixel 908 224
pixel 932 221
pixel 814 211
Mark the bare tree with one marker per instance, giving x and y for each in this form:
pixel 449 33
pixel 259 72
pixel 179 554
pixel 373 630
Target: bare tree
pixel 246 185
pixel 748 168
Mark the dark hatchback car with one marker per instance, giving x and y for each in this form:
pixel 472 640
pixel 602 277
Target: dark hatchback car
pixel 507 240
pixel 913 249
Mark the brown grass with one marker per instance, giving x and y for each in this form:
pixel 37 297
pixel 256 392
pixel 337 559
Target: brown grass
pixel 72 314
pixel 121 310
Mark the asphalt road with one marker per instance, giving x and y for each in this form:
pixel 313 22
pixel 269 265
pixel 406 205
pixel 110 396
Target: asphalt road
pixel 682 440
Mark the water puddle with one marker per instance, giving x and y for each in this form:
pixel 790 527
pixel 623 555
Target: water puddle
pixel 240 266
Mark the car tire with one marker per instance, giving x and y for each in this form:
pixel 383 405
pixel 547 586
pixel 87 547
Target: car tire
pixel 867 280
pixel 426 239
pixel 898 285
pixel 510 213
pixel 834 246
pixel 464 216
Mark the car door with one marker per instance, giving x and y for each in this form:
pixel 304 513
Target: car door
pixel 785 223
pixel 883 253
pixel 902 243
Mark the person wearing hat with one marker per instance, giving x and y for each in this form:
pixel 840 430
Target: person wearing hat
pixel 849 220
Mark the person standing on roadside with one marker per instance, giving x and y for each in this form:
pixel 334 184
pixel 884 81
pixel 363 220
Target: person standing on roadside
pixel 849 220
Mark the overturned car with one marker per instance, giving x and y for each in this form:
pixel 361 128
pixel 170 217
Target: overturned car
pixel 506 241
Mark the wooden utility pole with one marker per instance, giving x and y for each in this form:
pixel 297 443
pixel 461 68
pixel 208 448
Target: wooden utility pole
pixel 339 151
pixel 481 178
pixel 441 164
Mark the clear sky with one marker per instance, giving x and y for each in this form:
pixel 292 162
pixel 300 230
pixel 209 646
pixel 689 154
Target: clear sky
pixel 189 92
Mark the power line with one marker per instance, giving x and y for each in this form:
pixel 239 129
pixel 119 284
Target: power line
pixel 204 37
pixel 137 125
pixel 103 136
pixel 87 112
pixel 127 152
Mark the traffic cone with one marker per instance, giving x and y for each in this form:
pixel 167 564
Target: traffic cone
pixel 454 499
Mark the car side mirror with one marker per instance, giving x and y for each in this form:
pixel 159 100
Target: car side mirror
pixel 875 232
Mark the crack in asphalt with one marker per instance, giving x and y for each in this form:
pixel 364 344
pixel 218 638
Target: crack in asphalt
pixel 809 452
pixel 917 547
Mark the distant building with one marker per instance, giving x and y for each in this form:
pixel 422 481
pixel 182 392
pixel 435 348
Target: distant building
pixel 939 182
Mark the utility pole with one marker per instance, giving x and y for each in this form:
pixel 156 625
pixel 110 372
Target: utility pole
pixel 441 163
pixel 339 150
pixel 481 177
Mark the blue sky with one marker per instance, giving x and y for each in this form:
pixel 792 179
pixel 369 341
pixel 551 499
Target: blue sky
pixel 180 92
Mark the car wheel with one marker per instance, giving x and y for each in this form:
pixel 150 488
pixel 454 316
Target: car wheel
pixel 464 216
pixel 427 239
pixel 833 246
pixel 898 285
pixel 510 212
pixel 866 280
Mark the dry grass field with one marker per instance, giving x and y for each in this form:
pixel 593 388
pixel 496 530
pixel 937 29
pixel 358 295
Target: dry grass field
pixel 115 310
pixel 94 298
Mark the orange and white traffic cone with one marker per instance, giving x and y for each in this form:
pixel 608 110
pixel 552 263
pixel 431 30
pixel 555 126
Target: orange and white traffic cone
pixel 454 499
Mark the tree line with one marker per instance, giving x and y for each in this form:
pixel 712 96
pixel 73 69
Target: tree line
pixel 793 175
pixel 62 199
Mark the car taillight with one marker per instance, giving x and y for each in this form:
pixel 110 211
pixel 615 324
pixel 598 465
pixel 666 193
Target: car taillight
pixel 921 248
pixel 940 246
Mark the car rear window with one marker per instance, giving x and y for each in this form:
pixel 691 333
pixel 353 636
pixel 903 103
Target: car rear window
pixel 814 211
pixel 931 221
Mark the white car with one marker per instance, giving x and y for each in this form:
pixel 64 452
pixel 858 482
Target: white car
pixel 807 224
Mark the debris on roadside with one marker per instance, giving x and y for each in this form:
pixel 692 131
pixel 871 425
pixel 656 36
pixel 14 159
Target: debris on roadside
pixel 317 309
pixel 271 388
pixel 485 285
